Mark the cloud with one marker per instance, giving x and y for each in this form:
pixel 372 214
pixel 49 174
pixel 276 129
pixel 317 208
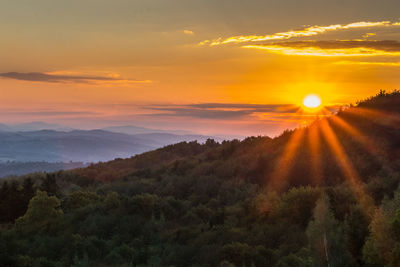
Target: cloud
pixel 203 113
pixel 221 110
pixel 367 63
pixel 369 34
pixel 335 48
pixel 188 32
pixel 252 107
pixel 48 113
pixel 306 32
pixel 62 78
pixel 388 45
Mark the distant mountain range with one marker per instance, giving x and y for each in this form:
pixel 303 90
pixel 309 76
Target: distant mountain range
pixel 126 129
pixel 132 129
pixel 82 145
pixel 32 126
pixel 44 147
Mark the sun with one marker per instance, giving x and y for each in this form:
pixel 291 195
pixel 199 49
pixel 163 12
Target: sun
pixel 312 101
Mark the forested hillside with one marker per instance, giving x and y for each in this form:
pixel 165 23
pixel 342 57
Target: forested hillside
pixel 323 194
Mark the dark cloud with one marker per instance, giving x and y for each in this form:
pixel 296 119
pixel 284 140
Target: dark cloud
pixel 221 110
pixel 203 113
pixel 261 107
pixel 54 78
pixel 388 45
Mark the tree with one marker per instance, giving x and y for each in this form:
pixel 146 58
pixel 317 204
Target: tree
pixel 43 211
pixel 28 188
pixel 238 253
pixel 50 185
pixel 79 199
pixel 12 204
pixel 112 200
pixel 356 231
pixel 326 237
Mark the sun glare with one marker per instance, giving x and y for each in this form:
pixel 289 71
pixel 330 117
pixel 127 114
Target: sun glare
pixel 312 101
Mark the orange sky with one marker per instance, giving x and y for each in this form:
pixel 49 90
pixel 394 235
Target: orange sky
pixel 212 68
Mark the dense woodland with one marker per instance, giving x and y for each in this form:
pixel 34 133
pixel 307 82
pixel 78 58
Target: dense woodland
pixel 262 201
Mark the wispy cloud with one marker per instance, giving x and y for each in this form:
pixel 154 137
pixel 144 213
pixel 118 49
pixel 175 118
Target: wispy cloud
pixel 63 78
pixel 306 32
pixel 335 48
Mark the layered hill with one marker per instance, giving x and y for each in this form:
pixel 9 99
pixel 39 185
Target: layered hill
pixel 81 145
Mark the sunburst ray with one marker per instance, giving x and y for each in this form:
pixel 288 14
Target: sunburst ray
pixel 284 164
pixel 367 143
pixel 347 168
pixel 314 144
pixel 379 117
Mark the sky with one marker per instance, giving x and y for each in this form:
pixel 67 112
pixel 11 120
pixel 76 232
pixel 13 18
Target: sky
pixel 226 67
